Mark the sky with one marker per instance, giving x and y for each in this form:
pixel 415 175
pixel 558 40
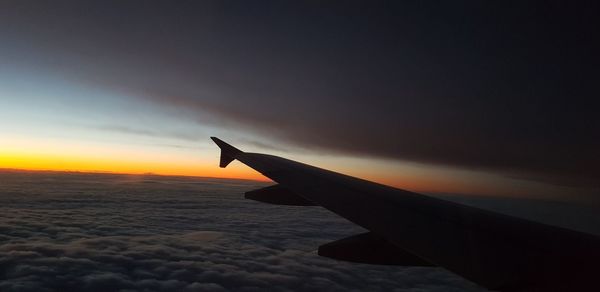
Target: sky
pixel 461 97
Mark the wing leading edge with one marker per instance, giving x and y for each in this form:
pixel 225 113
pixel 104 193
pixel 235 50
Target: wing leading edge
pixel 494 250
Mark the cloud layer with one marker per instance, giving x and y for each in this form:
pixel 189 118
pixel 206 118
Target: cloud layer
pixel 61 232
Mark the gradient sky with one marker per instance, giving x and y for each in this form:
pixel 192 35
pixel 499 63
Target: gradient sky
pixel 460 97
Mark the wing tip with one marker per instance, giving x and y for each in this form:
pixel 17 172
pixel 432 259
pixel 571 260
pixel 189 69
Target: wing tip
pixel 228 152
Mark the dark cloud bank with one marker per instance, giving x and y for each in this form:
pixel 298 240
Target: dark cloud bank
pixel 96 232
pixel 507 86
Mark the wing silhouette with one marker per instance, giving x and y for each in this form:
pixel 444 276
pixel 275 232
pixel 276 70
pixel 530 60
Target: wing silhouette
pixel 494 250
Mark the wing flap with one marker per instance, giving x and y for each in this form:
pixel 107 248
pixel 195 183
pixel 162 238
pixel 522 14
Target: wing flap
pixel 368 248
pixel 278 195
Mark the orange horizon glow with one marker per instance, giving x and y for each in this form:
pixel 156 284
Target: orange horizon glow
pixel 43 154
pixel 91 165
pixel 236 170
pixel 195 167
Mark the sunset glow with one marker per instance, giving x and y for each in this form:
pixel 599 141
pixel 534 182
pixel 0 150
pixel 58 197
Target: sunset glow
pixel 65 155
pixel 53 156
pixel 30 153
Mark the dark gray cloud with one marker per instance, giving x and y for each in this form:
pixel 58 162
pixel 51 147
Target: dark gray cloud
pixel 506 87
pixel 102 232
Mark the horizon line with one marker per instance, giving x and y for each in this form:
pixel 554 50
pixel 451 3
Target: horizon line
pixel 7 169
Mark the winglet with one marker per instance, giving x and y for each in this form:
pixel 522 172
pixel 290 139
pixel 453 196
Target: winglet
pixel 228 152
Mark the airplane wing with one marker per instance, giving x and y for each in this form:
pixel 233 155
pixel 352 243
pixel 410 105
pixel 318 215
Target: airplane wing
pixel 496 251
